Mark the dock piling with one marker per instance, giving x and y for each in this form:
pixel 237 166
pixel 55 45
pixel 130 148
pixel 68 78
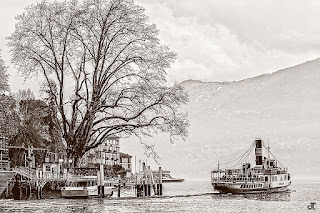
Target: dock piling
pixel 160 181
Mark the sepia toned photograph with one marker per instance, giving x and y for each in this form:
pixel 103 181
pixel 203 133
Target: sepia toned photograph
pixel 159 106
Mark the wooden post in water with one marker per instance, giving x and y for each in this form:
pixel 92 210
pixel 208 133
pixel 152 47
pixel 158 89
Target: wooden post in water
pixel 7 189
pixel 144 180
pixel 160 181
pixel 30 189
pixel 136 183
pixel 16 189
pixel 101 181
pixel 152 181
pixel 37 183
pixel 98 182
pixel 137 191
pixel 149 181
pixel 119 186
pixel 139 186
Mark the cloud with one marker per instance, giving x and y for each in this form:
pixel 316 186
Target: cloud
pixel 216 40
pixel 232 40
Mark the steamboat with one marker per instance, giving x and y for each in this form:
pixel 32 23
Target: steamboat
pixel 267 175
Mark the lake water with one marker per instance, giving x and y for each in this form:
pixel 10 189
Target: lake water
pixel 302 193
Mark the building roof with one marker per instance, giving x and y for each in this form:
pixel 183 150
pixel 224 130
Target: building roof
pixel 124 155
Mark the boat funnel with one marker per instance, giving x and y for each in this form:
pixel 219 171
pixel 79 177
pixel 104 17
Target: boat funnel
pixel 258 151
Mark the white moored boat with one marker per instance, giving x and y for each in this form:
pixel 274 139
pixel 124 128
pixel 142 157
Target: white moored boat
pixel 86 187
pixel 265 176
pixel 166 177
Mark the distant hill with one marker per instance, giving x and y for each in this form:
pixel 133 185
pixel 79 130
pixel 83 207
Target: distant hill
pixel 282 107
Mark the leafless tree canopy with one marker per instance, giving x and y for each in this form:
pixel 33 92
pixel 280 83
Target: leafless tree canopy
pixel 104 69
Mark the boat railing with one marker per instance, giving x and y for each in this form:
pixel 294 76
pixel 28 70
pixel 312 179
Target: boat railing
pixel 227 171
pixel 253 171
pixel 236 180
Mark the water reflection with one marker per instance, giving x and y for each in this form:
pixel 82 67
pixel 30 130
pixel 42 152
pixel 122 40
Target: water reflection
pixel 279 196
pixel 295 201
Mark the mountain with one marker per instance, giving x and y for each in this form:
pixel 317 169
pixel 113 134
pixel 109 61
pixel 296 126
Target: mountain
pixel 282 108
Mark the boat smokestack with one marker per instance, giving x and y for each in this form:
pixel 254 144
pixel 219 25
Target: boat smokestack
pixel 258 151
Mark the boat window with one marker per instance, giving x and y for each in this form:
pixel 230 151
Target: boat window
pixel 285 177
pixel 276 178
pixel 266 178
pixel 82 184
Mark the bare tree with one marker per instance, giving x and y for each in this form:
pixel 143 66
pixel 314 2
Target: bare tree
pixel 4 86
pixel 104 70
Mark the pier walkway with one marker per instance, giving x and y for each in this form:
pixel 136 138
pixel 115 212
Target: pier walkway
pixel 33 176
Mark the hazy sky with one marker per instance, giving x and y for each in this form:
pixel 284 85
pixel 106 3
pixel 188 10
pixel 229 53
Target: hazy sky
pixel 216 40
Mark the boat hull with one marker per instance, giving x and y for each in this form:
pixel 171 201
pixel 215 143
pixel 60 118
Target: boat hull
pixel 172 180
pixel 227 188
pixel 84 192
pixel 74 192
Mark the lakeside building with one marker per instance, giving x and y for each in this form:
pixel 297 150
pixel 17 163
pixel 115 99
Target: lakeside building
pixel 107 153
pixel 56 163
pixel 125 162
pixel 40 159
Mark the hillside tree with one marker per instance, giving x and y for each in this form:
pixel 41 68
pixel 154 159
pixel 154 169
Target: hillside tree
pixel 104 70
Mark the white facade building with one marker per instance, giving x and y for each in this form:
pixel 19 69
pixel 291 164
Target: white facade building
pixel 106 153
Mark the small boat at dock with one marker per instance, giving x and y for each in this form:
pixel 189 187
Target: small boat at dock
pixel 268 174
pixel 166 177
pixel 86 187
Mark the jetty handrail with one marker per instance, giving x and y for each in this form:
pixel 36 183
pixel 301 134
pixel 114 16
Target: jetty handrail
pixel 25 171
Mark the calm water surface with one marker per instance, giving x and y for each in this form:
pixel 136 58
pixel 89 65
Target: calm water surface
pixel 297 201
